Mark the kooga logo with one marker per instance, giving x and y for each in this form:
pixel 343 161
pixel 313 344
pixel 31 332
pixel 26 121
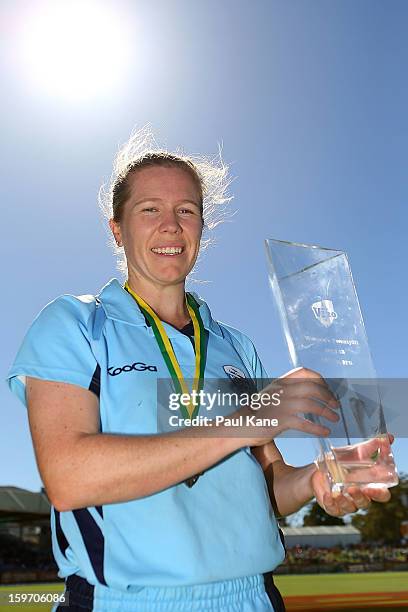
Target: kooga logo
pixel 138 366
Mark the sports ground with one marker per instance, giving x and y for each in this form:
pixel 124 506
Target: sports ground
pixel 352 592
pixel 387 591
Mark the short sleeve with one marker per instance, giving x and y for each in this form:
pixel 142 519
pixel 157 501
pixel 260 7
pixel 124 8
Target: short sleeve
pixel 56 346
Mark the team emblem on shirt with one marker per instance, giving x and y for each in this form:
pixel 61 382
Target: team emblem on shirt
pixel 234 372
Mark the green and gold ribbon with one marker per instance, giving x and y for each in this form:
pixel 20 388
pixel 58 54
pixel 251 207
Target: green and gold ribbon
pixel 167 351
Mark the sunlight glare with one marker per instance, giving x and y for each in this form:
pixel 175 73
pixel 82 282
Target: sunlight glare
pixel 75 49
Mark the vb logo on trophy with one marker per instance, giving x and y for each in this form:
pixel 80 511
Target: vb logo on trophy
pixel 324 312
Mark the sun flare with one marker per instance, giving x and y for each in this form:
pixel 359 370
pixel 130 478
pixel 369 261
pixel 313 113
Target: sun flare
pixel 75 49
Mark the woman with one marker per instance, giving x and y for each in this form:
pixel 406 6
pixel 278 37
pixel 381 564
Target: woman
pixel 168 521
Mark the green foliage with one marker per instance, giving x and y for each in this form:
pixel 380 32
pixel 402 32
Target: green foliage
pixel 283 521
pixel 317 516
pixel 381 522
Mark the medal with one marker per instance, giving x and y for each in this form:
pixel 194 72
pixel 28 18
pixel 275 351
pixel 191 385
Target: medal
pixel 170 358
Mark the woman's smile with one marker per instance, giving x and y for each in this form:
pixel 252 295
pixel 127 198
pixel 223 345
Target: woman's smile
pixel 168 251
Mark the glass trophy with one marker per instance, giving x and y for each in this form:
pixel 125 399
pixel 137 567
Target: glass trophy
pixel 319 310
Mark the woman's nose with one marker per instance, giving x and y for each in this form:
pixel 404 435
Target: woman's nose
pixel 170 222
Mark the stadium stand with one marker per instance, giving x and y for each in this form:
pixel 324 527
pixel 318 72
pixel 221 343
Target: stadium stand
pixel 25 544
pixel 26 555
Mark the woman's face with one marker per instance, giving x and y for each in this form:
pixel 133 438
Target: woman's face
pixel 161 225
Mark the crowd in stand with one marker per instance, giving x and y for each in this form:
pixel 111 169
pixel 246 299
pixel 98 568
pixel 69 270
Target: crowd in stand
pixel 19 556
pixel 346 557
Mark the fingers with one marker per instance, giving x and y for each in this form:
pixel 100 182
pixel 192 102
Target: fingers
pixel 378 494
pixel 345 503
pixel 307 388
pixel 306 397
pixel 303 373
pixel 299 424
pixel 301 390
pixel 303 383
pixel 310 406
pixel 338 506
pixel 309 384
pixel 357 497
pixel 335 507
pixel 353 499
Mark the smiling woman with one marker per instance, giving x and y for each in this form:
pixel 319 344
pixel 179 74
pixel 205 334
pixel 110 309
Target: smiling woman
pixel 143 517
pixel 75 50
pixel 160 226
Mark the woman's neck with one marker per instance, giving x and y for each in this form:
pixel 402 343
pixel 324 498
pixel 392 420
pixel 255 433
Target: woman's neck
pixel 168 301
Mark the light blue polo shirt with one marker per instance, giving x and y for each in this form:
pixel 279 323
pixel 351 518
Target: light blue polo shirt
pixel 221 528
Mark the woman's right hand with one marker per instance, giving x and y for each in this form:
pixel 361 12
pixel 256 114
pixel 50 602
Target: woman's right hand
pixel 286 399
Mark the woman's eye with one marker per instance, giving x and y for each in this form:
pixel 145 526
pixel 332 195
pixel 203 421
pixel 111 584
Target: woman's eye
pixel 186 211
pixel 150 209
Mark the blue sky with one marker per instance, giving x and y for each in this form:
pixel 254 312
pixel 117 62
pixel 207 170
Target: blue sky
pixel 309 99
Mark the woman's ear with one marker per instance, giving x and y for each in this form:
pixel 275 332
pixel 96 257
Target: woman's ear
pixel 115 229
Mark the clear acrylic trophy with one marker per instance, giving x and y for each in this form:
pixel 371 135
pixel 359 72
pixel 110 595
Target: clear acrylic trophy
pixel 319 310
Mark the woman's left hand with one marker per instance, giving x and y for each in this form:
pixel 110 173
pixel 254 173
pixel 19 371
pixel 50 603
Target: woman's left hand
pixel 354 499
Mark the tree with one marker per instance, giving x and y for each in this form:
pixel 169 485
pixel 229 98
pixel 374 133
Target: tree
pixel 382 522
pixel 283 521
pixel 317 516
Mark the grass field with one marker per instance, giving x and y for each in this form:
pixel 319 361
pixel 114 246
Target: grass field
pixel 6 591
pixel 387 591
pixel 353 592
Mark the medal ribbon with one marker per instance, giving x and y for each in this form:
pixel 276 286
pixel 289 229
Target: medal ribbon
pixel 167 351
